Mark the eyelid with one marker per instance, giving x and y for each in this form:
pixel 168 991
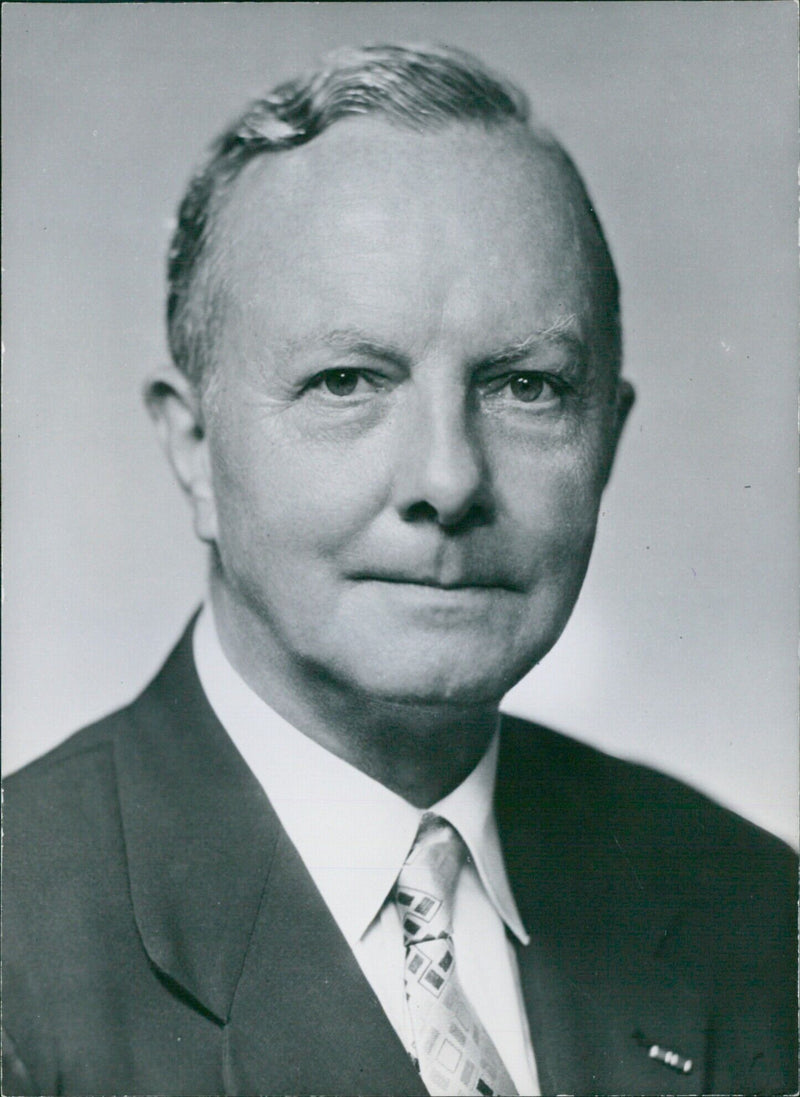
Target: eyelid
pixel 323 373
pixel 499 379
pixel 372 377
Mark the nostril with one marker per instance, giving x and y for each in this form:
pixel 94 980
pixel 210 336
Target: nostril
pixel 421 512
pixel 476 514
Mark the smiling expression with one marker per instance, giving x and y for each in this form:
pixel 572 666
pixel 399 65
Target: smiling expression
pixel 413 410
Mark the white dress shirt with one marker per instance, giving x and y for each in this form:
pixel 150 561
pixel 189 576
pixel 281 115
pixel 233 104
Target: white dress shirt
pixel 354 834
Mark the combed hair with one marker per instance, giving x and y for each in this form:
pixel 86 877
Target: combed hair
pixel 422 88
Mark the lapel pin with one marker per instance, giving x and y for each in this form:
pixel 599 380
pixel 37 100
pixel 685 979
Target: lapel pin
pixel 670 1058
pixel 664 1055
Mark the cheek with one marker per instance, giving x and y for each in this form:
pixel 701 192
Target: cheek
pixel 553 493
pixel 289 501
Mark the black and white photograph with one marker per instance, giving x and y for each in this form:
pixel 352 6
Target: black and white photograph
pixel 400 548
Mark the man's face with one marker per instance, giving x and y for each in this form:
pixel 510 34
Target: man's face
pixel 412 418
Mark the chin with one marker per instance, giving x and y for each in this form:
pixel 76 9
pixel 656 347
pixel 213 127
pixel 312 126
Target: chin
pixel 430 649
pixel 455 682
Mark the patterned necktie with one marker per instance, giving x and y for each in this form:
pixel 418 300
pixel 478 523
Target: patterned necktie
pixel 452 1050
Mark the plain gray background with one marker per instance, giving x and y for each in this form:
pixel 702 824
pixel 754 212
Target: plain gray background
pixel 682 116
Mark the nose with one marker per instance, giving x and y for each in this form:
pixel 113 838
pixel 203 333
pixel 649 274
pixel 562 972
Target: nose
pixel 442 474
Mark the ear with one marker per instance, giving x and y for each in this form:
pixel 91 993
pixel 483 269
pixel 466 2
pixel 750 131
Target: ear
pixel 624 399
pixel 176 410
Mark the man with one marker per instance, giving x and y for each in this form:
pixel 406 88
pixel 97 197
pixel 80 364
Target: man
pixel 311 858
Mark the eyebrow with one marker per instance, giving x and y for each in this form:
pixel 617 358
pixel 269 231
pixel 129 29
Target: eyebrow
pixel 561 333
pixel 357 342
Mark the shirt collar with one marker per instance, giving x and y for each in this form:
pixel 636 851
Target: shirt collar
pixel 352 832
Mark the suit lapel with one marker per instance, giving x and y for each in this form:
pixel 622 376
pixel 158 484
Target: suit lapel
pixel 199 835
pixel 598 985
pixel 228 913
pixel 303 1005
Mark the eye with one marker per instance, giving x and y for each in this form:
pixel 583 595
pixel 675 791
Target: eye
pixel 339 382
pixel 342 383
pixel 348 385
pixel 526 386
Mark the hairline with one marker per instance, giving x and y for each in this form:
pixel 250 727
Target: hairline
pixel 195 306
pixel 212 275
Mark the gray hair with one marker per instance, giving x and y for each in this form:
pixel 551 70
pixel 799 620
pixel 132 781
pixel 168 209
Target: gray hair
pixel 422 88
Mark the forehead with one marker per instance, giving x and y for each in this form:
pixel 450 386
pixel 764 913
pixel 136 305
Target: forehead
pixel 468 229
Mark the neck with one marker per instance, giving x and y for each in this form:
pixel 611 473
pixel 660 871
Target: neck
pixel 419 750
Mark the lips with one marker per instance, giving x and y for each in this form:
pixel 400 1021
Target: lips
pixel 424 579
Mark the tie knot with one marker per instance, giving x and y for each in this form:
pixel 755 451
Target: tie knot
pixel 427 881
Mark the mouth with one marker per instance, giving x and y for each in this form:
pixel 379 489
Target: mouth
pixel 413 579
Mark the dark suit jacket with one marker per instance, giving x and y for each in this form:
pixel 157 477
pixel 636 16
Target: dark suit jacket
pixel 162 935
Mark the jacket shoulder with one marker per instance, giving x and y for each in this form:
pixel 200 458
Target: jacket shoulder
pixel 84 750
pixel 60 817
pixel 47 767
pixel 638 801
pixel 617 828
pixel 57 796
